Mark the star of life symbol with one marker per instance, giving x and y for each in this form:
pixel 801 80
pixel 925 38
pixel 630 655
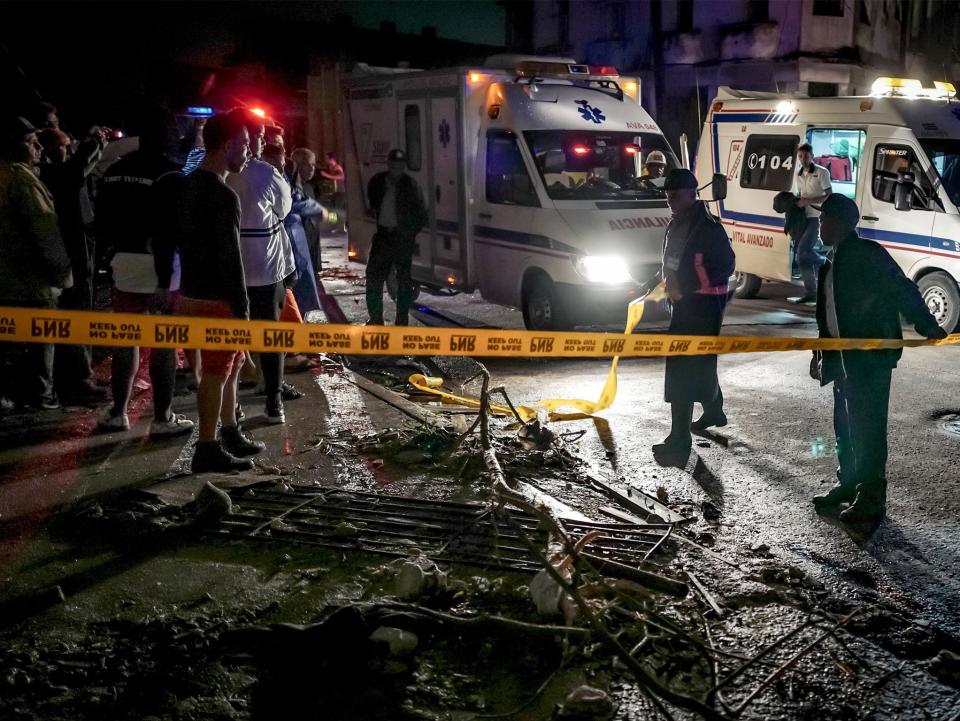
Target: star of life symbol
pixel 444 133
pixel 590 113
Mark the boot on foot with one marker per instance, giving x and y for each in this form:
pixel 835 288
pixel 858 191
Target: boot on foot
pixel 238 443
pixel 210 457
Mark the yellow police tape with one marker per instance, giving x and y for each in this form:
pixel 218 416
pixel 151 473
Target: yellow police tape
pixel 162 331
pixel 607 395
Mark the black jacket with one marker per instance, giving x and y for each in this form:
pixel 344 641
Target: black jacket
pixel 411 211
pixel 697 253
pixel 65 182
pixel 870 294
pixel 131 202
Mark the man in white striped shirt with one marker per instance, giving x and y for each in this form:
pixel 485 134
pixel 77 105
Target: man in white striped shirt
pixel 267 253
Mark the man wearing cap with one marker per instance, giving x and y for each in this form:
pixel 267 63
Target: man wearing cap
pixel 34 264
pixel 398 205
pixel 862 294
pixel 697 264
pixel 812 187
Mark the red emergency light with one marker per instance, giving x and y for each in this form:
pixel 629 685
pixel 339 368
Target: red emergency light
pixel 580 150
pixel 259 112
pixel 607 71
pixel 630 149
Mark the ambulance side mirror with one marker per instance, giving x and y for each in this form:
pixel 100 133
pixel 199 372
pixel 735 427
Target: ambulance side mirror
pixel 903 193
pixel 554 161
pixel 719 186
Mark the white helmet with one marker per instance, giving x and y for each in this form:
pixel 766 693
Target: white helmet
pixel 655 156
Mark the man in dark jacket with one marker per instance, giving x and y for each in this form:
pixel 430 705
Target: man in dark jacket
pixel 136 199
pixel 861 294
pixel 65 173
pixel 697 264
pixel 398 205
pixel 34 265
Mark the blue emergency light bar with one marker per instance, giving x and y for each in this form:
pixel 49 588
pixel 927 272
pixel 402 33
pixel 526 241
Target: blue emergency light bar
pixel 200 111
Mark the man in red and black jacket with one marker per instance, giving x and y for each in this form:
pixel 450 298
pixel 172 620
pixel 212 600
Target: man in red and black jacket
pixel 697 264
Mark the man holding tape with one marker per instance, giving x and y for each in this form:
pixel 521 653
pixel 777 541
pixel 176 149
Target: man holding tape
pixel 861 294
pixel 697 264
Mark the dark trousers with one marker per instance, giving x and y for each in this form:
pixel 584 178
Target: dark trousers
pixel 809 256
pixel 26 369
pixel 389 250
pixel 72 364
pixel 860 410
pixel 266 302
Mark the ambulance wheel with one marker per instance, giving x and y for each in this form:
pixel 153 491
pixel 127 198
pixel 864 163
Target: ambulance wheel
pixel 392 286
pixel 542 308
pixel 748 285
pixel 942 297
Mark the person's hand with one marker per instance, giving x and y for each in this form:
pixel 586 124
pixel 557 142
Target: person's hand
pixel 99 134
pixel 160 301
pixel 815 366
pixel 802 202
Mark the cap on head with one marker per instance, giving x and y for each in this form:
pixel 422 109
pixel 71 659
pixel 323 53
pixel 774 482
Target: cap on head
pixel 840 207
pixel 396 156
pixel 680 179
pixel 655 156
pixel 17 128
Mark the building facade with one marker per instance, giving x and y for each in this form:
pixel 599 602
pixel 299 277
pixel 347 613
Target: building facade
pixel 685 49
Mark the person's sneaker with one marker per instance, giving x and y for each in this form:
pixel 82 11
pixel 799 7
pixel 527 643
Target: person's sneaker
pixel 210 457
pixel 177 425
pixel 289 392
pixel 274 413
pixel 238 443
pixel 111 422
pixel 709 421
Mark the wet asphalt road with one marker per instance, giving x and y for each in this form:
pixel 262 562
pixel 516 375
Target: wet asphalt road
pixel 776 453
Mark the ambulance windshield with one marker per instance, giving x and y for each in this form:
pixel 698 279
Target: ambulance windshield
pixel 586 165
pixel 944 156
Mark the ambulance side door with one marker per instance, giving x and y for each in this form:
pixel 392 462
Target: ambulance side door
pixel 506 205
pixel 414 140
pixel 905 234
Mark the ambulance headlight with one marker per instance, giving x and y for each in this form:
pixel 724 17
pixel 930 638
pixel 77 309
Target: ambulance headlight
pixel 608 269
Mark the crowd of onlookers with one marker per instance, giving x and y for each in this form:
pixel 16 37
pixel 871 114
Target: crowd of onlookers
pixel 220 223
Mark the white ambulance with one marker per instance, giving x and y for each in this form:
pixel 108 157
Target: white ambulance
pixel 895 152
pixel 532 169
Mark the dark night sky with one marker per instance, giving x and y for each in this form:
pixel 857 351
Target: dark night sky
pixel 98 58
